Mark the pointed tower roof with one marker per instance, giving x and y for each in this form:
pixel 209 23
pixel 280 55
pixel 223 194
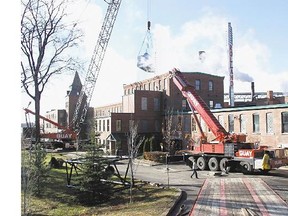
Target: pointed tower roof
pixel 76 85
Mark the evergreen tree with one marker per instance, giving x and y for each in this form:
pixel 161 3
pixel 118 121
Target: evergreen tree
pixel 93 187
pixel 93 184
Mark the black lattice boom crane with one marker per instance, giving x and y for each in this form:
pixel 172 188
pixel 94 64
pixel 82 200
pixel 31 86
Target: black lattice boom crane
pixel 95 65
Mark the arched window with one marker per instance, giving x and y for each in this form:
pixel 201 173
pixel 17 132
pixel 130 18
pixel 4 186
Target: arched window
pixel 284 122
pixel 210 85
pixel 243 122
pixel 256 123
pixel 269 123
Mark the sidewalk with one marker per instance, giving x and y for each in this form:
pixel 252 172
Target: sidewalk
pixel 230 196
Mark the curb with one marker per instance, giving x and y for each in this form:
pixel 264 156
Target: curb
pixel 174 204
pixel 146 162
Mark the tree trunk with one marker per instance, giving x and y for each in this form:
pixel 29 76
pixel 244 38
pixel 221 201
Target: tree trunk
pixel 37 113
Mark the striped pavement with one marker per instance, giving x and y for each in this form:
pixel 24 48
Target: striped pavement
pixel 238 196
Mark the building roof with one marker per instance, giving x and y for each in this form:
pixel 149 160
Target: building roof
pixel 247 108
pixel 168 75
pixel 205 74
pixel 76 85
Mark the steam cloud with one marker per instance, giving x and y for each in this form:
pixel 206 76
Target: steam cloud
pixel 244 77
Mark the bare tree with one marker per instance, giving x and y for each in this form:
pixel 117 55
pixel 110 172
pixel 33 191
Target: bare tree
pixel 168 131
pixel 45 42
pixel 134 142
pixel 168 135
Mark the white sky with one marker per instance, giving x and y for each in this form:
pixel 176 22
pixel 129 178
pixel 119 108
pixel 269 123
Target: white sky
pixel 180 29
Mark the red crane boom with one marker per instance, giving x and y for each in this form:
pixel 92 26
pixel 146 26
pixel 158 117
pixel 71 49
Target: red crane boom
pixel 197 103
pixel 65 134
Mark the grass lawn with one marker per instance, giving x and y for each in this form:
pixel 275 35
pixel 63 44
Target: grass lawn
pixel 58 199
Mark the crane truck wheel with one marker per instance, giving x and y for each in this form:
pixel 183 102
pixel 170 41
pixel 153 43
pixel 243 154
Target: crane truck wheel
pixel 224 165
pixel 213 164
pixel 246 167
pixel 201 163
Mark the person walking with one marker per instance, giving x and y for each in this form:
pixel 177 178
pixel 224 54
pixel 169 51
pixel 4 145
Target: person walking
pixel 194 168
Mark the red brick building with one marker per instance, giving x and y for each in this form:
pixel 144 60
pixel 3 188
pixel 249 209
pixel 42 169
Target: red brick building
pixel 146 103
pixel 264 120
pixel 265 125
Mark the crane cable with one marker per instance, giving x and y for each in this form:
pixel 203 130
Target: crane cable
pixel 144 56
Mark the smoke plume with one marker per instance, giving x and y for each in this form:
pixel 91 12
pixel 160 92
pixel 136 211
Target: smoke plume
pixel 244 77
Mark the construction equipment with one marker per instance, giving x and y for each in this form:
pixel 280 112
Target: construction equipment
pixel 145 60
pixel 72 133
pixel 95 65
pixel 226 149
pixel 66 135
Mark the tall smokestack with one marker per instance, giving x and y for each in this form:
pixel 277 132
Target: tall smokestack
pixel 252 91
pixel 230 53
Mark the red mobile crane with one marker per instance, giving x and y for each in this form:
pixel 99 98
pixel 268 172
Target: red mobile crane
pixel 225 147
pixel 66 135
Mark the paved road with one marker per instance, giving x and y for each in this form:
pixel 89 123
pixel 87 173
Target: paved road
pixel 178 175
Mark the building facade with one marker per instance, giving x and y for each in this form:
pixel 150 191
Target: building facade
pixel 147 103
pixel 264 125
pixel 56 115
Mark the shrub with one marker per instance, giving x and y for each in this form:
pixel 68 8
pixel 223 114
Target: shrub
pixel 156 156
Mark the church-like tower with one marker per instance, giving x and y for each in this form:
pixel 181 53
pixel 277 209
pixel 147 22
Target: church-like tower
pixel 72 97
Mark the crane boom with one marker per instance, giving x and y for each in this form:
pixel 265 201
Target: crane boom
pixel 66 133
pixel 95 65
pixel 197 103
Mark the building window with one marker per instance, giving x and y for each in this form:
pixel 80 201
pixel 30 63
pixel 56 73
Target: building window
pixel 186 124
pixel 211 104
pixel 164 84
pixel 159 85
pixel 100 125
pixel 284 122
pixel 131 124
pixel 194 128
pixel 144 103
pixel 179 124
pixel 197 84
pixel 184 104
pixel 149 86
pixel 231 123
pixel 156 104
pixel 96 125
pixel 210 85
pixel 118 125
pixel 144 125
pixel 269 123
pixel 103 125
pixel 243 123
pixel 157 125
pixel 203 124
pixel 108 125
pixel 256 125
pixel 221 120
